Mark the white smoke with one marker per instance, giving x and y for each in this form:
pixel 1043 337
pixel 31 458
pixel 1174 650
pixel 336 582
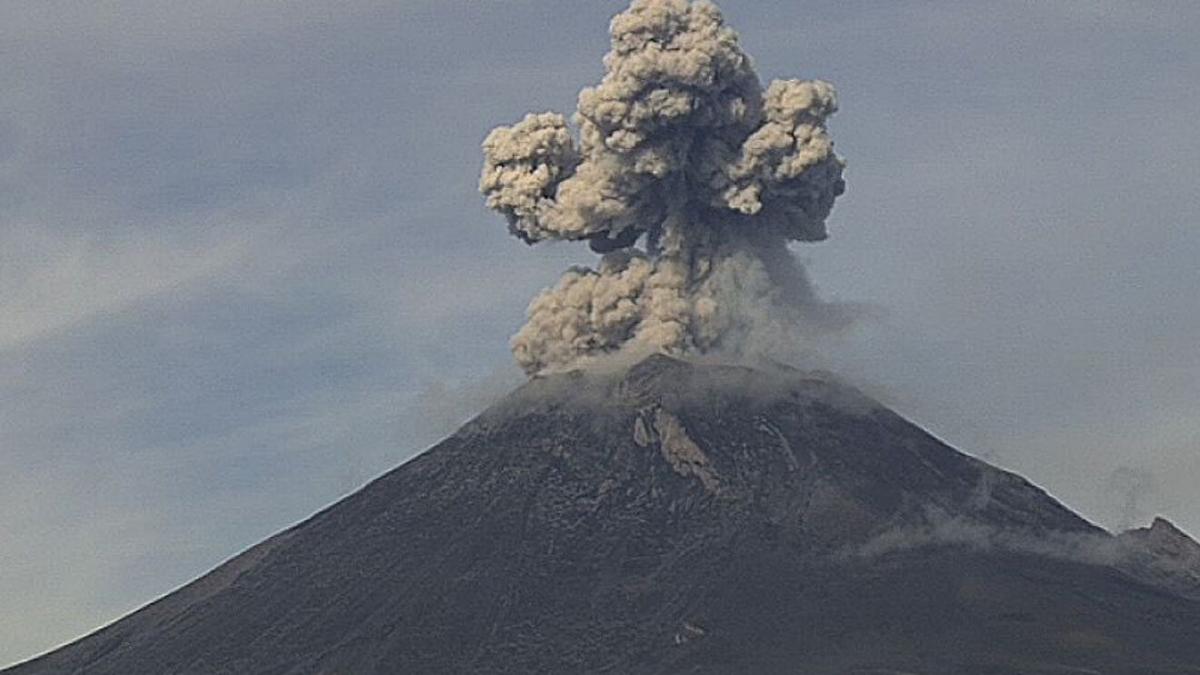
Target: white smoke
pixel 689 179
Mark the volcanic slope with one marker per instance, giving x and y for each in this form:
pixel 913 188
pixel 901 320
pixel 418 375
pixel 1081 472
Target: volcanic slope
pixel 675 518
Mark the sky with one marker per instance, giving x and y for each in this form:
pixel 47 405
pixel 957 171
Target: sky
pixel 244 267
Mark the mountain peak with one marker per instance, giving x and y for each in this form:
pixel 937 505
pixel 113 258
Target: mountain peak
pixel 667 380
pixel 1163 536
pixel 1163 554
pixel 1168 529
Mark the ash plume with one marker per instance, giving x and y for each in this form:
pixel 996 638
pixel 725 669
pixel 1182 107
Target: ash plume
pixel 690 180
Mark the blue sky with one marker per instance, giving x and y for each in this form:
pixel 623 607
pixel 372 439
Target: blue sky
pixel 244 267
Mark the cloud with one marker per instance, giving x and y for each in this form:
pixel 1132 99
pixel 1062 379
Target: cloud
pixel 53 281
pixel 681 147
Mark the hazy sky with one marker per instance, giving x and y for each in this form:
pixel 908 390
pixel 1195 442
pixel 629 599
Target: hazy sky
pixel 244 268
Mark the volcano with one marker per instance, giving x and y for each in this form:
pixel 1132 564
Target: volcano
pixel 675 517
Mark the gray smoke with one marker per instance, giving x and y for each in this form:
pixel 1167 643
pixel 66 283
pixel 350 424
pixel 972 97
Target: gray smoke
pixel 690 180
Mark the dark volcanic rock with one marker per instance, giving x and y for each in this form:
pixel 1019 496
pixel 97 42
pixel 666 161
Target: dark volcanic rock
pixel 673 518
pixel 1163 555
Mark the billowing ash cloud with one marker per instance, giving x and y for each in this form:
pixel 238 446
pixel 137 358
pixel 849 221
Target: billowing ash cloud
pixel 689 179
